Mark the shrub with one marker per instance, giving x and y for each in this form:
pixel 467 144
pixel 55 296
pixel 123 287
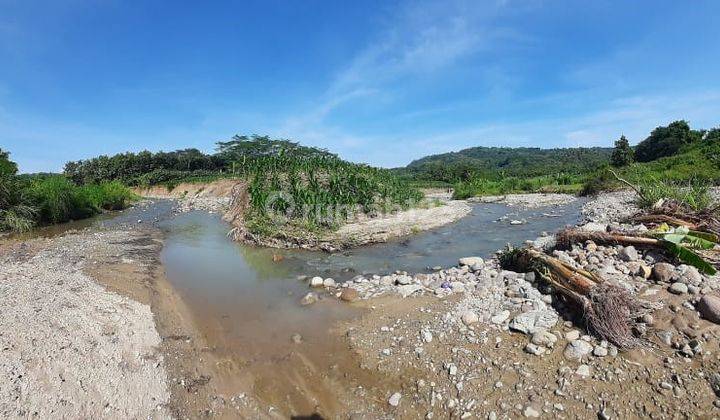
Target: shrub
pixel 59 200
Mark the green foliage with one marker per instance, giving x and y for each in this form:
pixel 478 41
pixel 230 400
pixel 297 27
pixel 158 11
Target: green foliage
pixel 29 200
pixel 500 162
pixel 666 141
pixel 133 168
pixel 16 212
pixel 623 154
pixel 318 191
pixel 7 167
pixel 695 164
pixel 559 183
pixel 243 148
pixel 694 193
pixel 59 200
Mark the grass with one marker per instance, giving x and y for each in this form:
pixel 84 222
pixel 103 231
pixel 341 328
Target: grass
pixel 562 183
pixel 694 193
pixel 42 200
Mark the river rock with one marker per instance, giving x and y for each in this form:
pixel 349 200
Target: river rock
pixel 663 272
pixel 328 282
pixel 577 349
pixel 349 294
pixel 471 261
pixel 628 253
pixel 583 371
pixel 309 299
pixel 691 276
pixel 678 288
pixel 600 351
pixel 500 317
pixel 469 317
pixel 403 280
pixel 594 227
pixel 395 399
pixel 529 322
pixel 544 338
pixel 408 289
pixel 316 282
pixel 709 308
pixel 530 412
pixel 572 335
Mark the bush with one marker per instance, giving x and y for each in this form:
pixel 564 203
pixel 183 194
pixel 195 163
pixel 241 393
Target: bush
pixel 59 200
pixel 109 195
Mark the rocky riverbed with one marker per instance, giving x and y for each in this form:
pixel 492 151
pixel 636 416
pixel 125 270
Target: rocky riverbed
pixel 464 336
pixel 468 341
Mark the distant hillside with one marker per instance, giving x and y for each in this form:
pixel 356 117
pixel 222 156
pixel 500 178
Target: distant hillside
pixel 505 161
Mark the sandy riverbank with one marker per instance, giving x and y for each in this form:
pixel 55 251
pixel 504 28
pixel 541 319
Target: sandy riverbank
pixel 71 348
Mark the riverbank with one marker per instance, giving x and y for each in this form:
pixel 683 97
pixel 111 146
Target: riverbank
pixel 71 348
pixel 449 342
pixel 461 337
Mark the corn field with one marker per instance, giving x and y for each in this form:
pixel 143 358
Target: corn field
pixel 320 191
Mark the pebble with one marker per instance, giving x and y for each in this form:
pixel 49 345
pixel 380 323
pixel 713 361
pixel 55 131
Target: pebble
pixel 469 317
pixel 309 299
pixel 500 317
pixel 583 371
pixel 349 294
pixel 628 253
pixel 572 335
pixel 600 351
pixel 529 411
pixel 395 399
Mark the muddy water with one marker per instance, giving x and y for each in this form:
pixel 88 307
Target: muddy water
pixel 246 299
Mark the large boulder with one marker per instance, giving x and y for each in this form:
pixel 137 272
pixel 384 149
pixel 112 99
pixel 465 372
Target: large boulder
pixel 709 308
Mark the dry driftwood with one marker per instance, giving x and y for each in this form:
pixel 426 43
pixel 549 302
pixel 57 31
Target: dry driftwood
pixel 567 237
pixel 609 310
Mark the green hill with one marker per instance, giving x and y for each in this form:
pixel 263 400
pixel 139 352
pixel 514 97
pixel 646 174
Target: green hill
pixel 494 162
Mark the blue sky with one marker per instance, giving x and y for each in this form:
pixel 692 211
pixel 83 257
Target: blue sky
pixel 375 81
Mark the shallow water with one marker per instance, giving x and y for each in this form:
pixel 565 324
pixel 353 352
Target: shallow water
pixel 247 299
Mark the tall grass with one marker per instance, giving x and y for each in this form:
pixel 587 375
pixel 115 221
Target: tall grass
pixel 694 193
pixel 55 199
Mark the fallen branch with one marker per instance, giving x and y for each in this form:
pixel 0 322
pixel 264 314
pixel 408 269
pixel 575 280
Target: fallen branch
pixel 609 310
pixel 693 248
